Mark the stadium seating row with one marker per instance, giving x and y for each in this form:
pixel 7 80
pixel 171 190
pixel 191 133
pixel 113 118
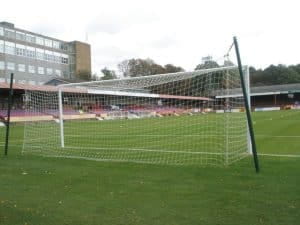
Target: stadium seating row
pixel 69 114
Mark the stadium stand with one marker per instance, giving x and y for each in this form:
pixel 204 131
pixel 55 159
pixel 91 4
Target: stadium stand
pixel 283 96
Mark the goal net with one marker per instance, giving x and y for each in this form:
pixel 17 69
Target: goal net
pixel 180 118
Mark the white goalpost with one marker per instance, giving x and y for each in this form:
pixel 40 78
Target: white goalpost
pixel 193 117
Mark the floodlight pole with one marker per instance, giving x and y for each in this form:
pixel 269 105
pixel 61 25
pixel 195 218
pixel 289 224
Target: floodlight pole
pixel 247 106
pixel 9 105
pixel 61 119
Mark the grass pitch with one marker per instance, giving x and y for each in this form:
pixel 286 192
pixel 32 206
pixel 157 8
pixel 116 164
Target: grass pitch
pixel 39 190
pixel 198 139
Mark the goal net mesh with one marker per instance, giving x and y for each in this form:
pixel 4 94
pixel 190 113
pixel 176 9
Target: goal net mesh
pixel 181 118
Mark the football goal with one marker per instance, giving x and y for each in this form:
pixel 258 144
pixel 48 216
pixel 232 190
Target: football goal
pixel 179 118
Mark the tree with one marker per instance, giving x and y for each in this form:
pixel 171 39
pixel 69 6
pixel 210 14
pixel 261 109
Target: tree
pixel 207 65
pixel 273 75
pixel 108 74
pixel 124 67
pixel 170 68
pixel 139 67
pixel 145 67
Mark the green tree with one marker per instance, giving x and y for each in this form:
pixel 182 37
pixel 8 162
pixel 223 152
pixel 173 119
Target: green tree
pixel 207 65
pixel 145 67
pixel 140 67
pixel 170 68
pixel 273 75
pixel 108 74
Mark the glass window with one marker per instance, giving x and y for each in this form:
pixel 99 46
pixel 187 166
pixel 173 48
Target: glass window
pixel 9 33
pixel 39 40
pixel 2 80
pixel 2 65
pixel 48 43
pixel 64 59
pixel 48 55
pixel 49 71
pixel 40 54
pixel 10 48
pixel 30 38
pixel 71 59
pixel 10 66
pixel 1 31
pixel 56 44
pixel 1 46
pixel 20 36
pixel 64 46
pixel 20 50
pixel 41 70
pixel 31 69
pixel 58 72
pixel 21 67
pixel 56 56
pixel 30 52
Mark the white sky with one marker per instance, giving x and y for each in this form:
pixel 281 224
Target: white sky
pixel 167 31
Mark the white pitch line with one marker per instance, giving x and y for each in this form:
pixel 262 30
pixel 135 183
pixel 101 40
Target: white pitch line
pixel 279 136
pixel 280 155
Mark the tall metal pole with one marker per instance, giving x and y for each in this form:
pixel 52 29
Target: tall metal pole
pixel 61 119
pixel 10 98
pixel 247 84
pixel 249 119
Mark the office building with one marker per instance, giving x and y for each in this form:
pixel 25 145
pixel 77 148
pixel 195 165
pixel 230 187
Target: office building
pixel 35 59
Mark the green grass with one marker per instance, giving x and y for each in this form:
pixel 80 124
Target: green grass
pixel 44 190
pixel 198 139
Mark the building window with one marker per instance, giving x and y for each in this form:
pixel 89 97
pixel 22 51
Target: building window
pixel 10 66
pixel 30 38
pixel 58 72
pixel 71 59
pixel 64 59
pixel 20 36
pixel 41 70
pixel 21 67
pixel 56 56
pixel 48 55
pixel 40 54
pixel 10 48
pixel 31 69
pixel 56 44
pixel 20 50
pixel 9 33
pixel 39 40
pixel 30 52
pixel 63 47
pixel 2 65
pixel 1 31
pixel 48 43
pixel 1 46
pixel 49 71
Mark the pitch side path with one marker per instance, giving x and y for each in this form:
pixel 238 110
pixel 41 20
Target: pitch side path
pixel 38 190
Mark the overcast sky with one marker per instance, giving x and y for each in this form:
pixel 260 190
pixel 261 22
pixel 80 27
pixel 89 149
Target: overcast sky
pixel 167 31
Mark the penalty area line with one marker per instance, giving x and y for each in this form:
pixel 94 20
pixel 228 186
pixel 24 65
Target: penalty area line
pixel 279 155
